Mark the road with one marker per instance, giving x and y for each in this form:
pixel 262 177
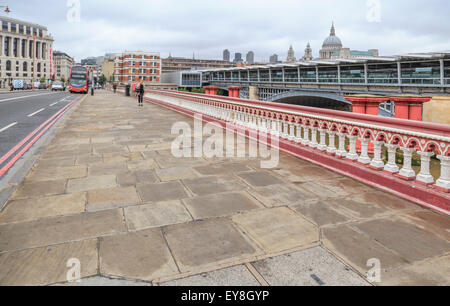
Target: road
pixel 22 112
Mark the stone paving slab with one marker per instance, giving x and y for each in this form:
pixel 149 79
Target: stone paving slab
pixel 313 267
pixel 202 244
pixel 112 198
pixel 162 192
pixel 142 255
pixel 234 276
pixel 47 265
pixel 277 229
pixel 220 205
pixel 34 209
pixel 40 189
pixel 92 183
pixel 156 215
pixel 434 272
pixel 159 218
pixel 57 230
pixel 357 249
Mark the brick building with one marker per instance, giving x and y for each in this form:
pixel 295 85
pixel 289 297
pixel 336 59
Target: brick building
pixel 131 67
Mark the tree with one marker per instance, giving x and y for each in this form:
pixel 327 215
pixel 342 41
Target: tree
pixel 63 79
pixel 102 79
pixel 43 80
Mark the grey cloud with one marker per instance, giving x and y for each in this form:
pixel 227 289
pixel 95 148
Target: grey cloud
pixel 266 27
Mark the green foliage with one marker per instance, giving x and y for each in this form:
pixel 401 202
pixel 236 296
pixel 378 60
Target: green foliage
pixel 43 80
pixel 63 79
pixel 102 79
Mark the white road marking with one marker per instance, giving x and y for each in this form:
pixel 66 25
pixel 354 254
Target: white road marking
pixel 28 96
pixel 31 115
pixel 54 103
pixel 7 127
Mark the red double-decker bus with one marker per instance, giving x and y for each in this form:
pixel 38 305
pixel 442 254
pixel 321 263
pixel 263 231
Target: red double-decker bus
pixel 79 79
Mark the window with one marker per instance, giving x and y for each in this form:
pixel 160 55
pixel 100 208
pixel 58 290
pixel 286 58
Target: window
pixel 39 67
pixel 308 75
pixel 383 73
pixel 25 66
pixel 328 75
pixel 15 47
pixel 352 74
pixel 28 30
pixel 21 29
pixel 8 65
pixel 13 27
pixel 7 40
pixel 421 73
pixel 5 26
pixel 23 44
pixel 40 33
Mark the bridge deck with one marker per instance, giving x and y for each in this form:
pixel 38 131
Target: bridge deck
pixel 108 192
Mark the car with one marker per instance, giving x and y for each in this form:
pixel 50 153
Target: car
pixel 58 86
pixel 18 84
pixel 42 86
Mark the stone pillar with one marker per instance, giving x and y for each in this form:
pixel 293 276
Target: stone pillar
pixel 368 105
pixel 211 90
pixel 443 183
pixel 235 92
pixel 253 93
pixel 409 108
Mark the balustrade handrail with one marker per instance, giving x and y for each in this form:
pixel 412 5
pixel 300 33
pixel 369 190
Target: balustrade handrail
pixel 430 130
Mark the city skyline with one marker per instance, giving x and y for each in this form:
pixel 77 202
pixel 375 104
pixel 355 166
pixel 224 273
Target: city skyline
pixel 271 29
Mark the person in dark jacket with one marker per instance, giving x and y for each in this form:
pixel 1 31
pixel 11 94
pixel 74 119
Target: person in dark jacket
pixel 141 91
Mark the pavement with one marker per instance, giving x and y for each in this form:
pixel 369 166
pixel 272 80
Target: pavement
pixel 108 194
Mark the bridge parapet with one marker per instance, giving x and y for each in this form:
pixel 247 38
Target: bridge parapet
pixel 329 138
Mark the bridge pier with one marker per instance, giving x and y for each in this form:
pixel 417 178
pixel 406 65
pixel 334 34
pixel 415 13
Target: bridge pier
pixel 235 92
pixel 368 105
pixel 410 108
pixel 211 90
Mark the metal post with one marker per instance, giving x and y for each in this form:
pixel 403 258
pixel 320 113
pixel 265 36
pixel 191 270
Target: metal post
pixel 366 72
pixel 34 55
pixel 317 74
pixel 441 61
pixel 399 71
pixel 339 73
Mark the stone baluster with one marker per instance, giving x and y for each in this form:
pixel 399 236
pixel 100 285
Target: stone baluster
pixel 377 162
pixel 364 157
pixel 298 133
pixel 313 143
pixel 285 133
pixel 391 166
pixel 341 152
pixel 332 146
pixel 352 155
pixel 305 140
pixel 291 131
pixel 323 140
pixel 407 172
pixel 443 183
pixel 425 174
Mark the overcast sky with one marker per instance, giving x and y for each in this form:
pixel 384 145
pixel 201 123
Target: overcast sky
pixel 207 27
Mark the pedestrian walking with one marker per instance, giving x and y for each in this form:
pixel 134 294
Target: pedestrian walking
pixel 141 91
pixel 115 87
